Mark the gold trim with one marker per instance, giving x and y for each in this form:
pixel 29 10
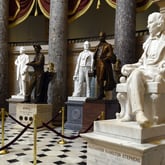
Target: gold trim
pixel 46 14
pixel 145 7
pixel 36 10
pixel 98 4
pixel 75 8
pixel 139 9
pixel 111 4
pixel 17 11
pixel 21 19
pixel 81 12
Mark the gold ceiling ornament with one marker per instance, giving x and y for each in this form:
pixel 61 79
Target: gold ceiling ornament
pixel 36 11
pixel 98 4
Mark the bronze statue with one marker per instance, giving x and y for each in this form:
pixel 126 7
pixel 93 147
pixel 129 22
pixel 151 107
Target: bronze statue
pixel 103 59
pixel 37 77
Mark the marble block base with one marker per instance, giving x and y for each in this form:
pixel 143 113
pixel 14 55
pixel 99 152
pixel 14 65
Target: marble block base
pixel 12 104
pixel 21 97
pixel 102 149
pixel 25 113
pixel 129 131
pixel 122 143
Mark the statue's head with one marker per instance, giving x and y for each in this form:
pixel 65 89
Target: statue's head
pixel 37 47
pixel 86 45
pixel 21 49
pixel 102 36
pixel 156 23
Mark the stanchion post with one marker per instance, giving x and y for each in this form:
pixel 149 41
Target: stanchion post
pixel 3 131
pixel 102 115
pixel 62 141
pixel 35 139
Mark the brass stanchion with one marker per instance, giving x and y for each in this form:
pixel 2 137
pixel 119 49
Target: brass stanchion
pixel 102 115
pixel 35 139
pixel 3 131
pixel 62 141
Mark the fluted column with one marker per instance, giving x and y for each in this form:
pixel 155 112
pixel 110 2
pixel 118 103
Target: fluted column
pixel 57 52
pixel 125 29
pixel 4 52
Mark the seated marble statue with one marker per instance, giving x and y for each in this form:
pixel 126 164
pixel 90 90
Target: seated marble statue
pixel 149 68
pixel 22 71
pixel 84 66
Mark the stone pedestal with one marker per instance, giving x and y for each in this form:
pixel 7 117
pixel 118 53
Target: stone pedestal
pixel 25 113
pixel 13 101
pixel 74 113
pixel 93 108
pixel 125 143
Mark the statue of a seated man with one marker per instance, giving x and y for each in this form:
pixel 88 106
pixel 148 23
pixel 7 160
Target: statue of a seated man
pixel 150 67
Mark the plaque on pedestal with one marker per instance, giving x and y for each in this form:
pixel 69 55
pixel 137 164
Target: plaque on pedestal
pixel 25 113
pixel 125 143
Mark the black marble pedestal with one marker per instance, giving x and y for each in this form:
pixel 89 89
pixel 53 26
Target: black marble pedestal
pixel 74 114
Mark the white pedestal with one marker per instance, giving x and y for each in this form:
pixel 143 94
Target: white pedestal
pixel 20 97
pixel 116 143
pixel 25 113
pixel 12 104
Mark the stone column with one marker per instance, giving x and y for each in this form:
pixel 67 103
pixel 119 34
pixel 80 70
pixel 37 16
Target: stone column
pixel 4 4
pixel 57 52
pixel 125 29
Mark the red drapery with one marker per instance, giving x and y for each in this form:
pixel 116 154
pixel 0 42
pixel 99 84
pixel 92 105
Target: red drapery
pixel 44 7
pixel 19 10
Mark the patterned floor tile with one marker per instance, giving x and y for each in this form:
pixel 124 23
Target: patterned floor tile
pixel 49 151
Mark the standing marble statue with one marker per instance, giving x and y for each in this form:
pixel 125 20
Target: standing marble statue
pixel 83 67
pixel 103 60
pixel 149 68
pixel 22 71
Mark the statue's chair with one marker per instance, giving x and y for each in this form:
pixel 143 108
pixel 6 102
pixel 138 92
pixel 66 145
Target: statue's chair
pixel 154 100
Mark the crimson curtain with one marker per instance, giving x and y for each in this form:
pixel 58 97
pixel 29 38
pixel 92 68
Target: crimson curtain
pixel 19 10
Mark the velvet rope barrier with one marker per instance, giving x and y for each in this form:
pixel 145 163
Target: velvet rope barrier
pixel 59 134
pixel 71 137
pixel 16 138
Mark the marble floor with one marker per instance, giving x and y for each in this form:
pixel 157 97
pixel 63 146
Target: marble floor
pixel 49 151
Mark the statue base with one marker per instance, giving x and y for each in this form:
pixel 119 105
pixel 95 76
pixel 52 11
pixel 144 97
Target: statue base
pixel 125 143
pixel 20 97
pixel 25 113
pixel 13 101
pixel 93 108
pixel 74 113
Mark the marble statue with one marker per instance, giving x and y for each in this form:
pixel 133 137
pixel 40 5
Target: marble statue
pixel 22 71
pixel 149 68
pixel 103 60
pixel 84 66
pixel 37 77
